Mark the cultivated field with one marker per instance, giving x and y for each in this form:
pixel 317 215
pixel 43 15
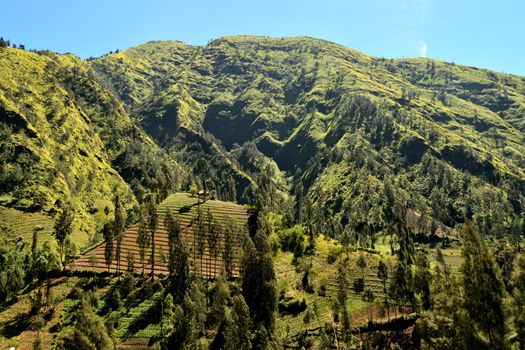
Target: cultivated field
pixel 184 208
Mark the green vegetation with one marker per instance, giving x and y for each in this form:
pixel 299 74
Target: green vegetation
pixel 387 199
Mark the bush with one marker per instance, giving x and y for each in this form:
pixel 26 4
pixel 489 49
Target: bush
pixel 293 240
pixel 114 301
pixel 333 253
pixel 359 285
pixel 291 306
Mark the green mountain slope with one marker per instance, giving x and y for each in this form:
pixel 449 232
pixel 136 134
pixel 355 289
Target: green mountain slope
pixel 446 140
pixel 67 140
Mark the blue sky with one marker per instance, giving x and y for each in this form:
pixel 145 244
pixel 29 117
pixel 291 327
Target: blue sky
pixel 481 33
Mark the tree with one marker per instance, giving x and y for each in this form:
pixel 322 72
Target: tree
pixel 468 311
pixel 422 279
pixel 12 273
pixel 519 301
pixel 341 301
pixel 401 285
pixel 178 265
pixel 167 315
pixel 238 325
pixel 37 344
pixel 298 207
pixel 214 234
pixel 107 231
pixel 34 242
pixel 369 297
pixel 153 222
pixel 89 331
pixel 119 224
pixel 382 274
pixel 200 235
pixel 220 299
pixel 361 263
pixel 232 192
pixel 265 191
pixel 483 289
pixel 131 261
pixel 204 168
pixel 174 237
pixel 228 253
pixel 258 281
pixel 194 191
pixel 179 281
pixel 143 240
pixel 62 229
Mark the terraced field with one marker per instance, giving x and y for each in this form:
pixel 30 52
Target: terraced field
pixel 18 224
pixel 185 209
pixel 323 277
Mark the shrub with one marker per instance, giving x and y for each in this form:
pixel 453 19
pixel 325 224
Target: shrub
pixel 333 253
pixel 114 300
pixel 359 285
pixel 291 306
pixel 293 240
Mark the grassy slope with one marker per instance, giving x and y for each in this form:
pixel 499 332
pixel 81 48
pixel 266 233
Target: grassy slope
pixel 69 141
pixel 291 97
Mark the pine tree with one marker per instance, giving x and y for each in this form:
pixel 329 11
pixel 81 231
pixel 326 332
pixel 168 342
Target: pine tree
pixel 232 192
pixel 519 301
pixel 258 282
pixel 143 240
pixel 422 279
pixel 220 299
pixel 118 230
pixel 62 229
pixel 343 285
pixel 238 326
pixel 382 274
pixel 174 239
pixel 108 232
pixel 361 263
pixel 89 331
pixel 214 234
pixel 200 233
pixel 483 289
pixel 228 253
pixel 34 243
pixel 265 191
pixel 204 169
pixel 298 206
pixel 153 222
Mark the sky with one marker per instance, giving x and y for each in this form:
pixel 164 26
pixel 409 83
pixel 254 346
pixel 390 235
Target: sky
pixel 481 33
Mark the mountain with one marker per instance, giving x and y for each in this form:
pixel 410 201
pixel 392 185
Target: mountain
pixel 447 140
pixel 365 136
pixel 355 167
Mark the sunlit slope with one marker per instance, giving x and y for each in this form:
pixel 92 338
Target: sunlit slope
pixel 445 137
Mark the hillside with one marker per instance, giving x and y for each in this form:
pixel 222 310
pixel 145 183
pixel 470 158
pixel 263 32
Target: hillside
pixel 361 133
pixel 66 140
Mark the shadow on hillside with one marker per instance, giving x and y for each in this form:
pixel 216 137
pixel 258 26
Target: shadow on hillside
pixel 145 291
pixel 186 208
pixel 20 324
pixel 147 317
